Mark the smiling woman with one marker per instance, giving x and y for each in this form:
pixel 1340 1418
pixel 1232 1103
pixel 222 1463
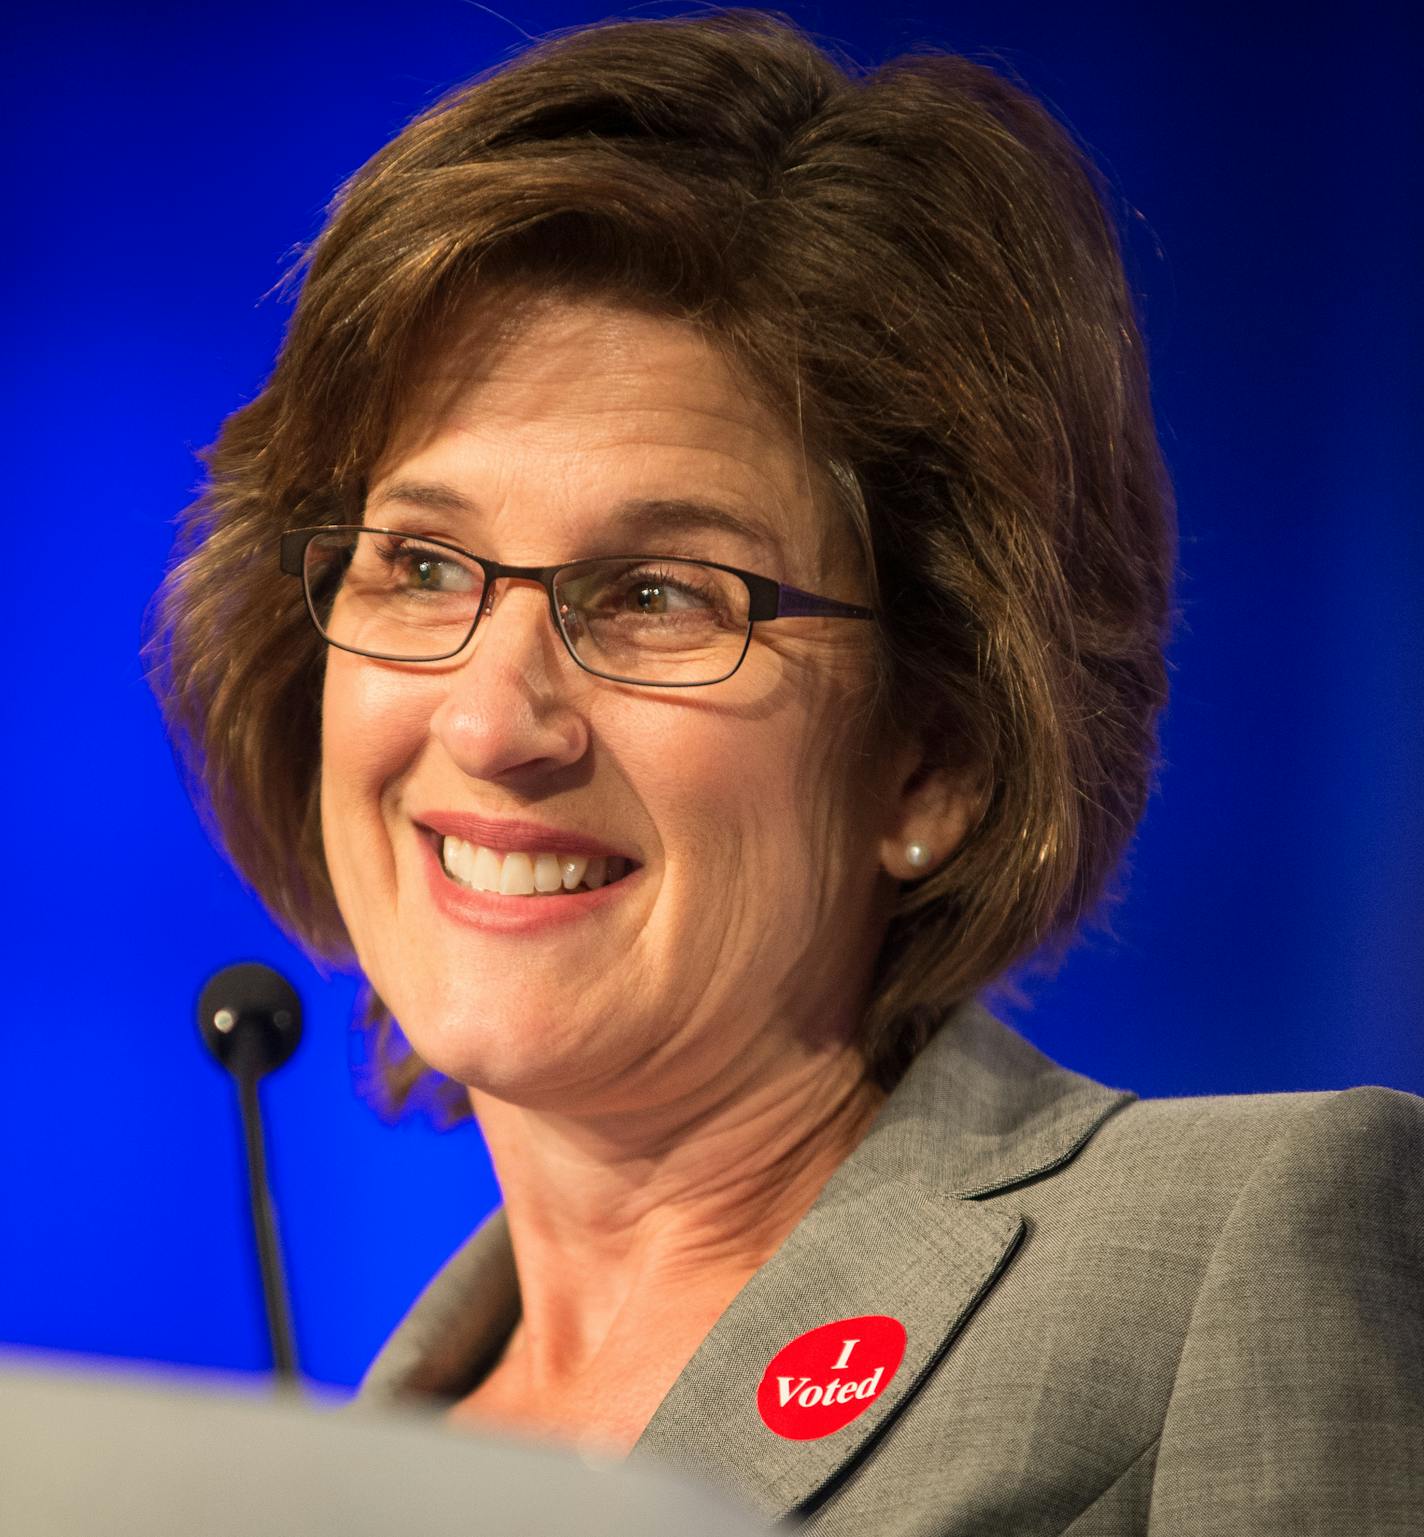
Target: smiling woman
pixel 728 567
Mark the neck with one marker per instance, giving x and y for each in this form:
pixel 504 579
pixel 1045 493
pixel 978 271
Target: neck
pixel 664 1214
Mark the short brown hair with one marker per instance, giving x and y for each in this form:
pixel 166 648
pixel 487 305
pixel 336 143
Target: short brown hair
pixel 917 264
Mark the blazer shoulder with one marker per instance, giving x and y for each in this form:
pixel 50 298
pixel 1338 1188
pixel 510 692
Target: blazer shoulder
pixel 1360 1134
pixel 1350 1136
pixel 1209 1173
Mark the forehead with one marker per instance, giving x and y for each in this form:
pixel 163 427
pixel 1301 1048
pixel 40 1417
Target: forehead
pixel 560 417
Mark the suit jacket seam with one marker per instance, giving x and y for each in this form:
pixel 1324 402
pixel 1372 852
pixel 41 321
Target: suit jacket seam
pixel 1107 1489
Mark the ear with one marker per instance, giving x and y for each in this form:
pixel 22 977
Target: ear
pixel 931 811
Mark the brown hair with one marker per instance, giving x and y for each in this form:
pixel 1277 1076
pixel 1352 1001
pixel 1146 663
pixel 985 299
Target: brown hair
pixel 917 264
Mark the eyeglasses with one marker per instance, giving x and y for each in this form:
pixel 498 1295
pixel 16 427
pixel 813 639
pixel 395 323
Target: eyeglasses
pixel 647 619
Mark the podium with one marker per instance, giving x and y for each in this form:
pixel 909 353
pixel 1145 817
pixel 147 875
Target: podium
pixel 85 1452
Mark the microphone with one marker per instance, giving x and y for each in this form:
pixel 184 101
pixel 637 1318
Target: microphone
pixel 250 1019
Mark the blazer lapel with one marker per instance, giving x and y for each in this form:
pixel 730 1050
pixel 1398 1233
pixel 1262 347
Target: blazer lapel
pixel 867 1247
pixel 897 1231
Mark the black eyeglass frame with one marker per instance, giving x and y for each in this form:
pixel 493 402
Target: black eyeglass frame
pixel 768 598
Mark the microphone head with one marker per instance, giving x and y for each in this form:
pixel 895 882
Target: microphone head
pixel 250 1018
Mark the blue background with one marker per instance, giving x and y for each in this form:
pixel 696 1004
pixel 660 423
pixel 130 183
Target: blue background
pixel 166 160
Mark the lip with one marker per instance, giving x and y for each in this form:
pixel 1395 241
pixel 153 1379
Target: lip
pixel 515 837
pixel 497 914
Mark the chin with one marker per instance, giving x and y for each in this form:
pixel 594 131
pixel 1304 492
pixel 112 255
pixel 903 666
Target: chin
pixel 514 1053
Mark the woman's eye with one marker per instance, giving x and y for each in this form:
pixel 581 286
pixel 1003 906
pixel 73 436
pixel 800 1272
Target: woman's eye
pixel 651 597
pixel 676 598
pixel 425 570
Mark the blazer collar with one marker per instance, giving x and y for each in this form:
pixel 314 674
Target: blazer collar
pixel 897 1231
pixel 981 1109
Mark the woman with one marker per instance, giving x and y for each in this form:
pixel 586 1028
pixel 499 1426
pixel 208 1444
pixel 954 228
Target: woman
pixel 728 566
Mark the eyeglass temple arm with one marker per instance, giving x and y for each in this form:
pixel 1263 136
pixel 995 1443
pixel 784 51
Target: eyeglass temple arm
pixel 792 603
pixel 293 547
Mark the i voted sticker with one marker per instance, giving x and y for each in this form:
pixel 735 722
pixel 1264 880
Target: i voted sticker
pixel 824 1378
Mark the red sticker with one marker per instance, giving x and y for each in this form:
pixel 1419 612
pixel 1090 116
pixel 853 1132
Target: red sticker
pixel 824 1378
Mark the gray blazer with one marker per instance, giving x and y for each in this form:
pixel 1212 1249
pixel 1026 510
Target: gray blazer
pixel 1167 1317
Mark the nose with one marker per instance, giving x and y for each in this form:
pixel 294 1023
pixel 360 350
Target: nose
pixel 509 710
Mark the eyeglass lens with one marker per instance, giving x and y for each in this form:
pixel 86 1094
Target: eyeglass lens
pixel 644 621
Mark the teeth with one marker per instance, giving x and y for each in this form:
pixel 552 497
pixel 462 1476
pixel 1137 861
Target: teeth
pixel 484 867
pixel 517 877
pixel 520 874
pixel 461 860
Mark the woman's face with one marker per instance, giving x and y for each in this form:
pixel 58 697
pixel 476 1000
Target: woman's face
pixel 750 811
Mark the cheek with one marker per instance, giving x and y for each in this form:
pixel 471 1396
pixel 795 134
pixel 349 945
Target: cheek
pixel 767 802
pixel 777 901
pixel 373 725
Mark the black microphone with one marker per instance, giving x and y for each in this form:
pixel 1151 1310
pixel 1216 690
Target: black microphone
pixel 250 1019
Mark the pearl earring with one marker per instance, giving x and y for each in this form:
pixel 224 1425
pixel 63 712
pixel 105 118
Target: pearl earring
pixel 919 855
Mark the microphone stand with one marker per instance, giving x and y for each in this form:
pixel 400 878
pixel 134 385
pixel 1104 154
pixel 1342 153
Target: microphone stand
pixel 246 1071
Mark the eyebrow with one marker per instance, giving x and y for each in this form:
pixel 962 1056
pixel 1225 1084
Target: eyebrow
pixel 653 515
